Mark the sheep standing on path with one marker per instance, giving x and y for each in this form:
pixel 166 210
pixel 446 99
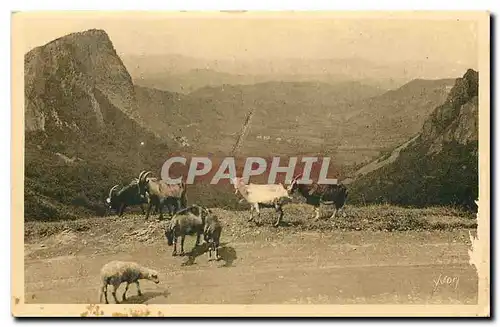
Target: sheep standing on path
pixel 117 272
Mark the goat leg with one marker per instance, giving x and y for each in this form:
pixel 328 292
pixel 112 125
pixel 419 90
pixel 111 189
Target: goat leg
pixel 258 212
pixel 316 213
pixel 160 208
pixel 251 213
pixel 178 206
pixel 150 205
pixel 198 235
pixel 182 245
pixel 334 213
pixel 174 252
pixel 280 215
pixel 142 209
pixel 121 209
pixel 216 246
pixel 209 251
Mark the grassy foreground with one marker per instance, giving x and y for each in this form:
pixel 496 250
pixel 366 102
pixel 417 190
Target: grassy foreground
pixel 297 217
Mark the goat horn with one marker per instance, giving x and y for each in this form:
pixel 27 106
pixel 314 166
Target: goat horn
pixel 143 175
pixel 146 175
pixel 112 189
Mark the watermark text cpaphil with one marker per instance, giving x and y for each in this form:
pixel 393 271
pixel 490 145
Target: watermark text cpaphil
pixel 305 170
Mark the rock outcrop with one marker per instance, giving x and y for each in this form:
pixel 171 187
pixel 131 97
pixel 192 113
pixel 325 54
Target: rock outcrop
pixel 441 165
pixel 67 80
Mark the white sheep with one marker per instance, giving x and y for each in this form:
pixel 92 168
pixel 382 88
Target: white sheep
pixel 117 272
pixel 267 196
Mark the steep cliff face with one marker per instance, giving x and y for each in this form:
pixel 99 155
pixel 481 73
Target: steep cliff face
pixel 441 165
pixel 67 80
pixel 80 103
pixel 457 119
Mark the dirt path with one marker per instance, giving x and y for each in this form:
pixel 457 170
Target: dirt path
pixel 328 268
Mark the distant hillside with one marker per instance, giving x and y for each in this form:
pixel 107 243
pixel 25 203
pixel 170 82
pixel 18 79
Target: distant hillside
pixel 397 115
pixel 169 71
pixel 199 78
pixel 83 128
pixel 441 165
pixel 350 121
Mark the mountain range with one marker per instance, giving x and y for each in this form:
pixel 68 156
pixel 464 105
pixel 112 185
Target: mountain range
pixel 89 125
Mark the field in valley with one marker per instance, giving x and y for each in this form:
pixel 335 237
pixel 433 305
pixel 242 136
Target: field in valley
pixel 375 254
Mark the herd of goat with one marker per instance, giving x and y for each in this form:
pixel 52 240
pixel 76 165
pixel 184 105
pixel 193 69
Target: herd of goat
pixel 195 219
pixel 154 192
pixel 198 220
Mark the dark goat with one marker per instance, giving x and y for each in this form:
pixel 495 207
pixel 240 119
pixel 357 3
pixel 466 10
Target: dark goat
pixel 161 193
pixel 128 195
pixel 188 224
pixel 318 194
pixel 211 233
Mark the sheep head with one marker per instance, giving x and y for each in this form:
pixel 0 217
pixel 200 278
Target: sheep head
pixel 153 276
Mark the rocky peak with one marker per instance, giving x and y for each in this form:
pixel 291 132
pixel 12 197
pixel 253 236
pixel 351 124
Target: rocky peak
pixel 70 80
pixel 455 120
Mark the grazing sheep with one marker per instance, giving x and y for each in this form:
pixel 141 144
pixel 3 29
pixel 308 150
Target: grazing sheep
pixel 211 234
pixel 117 272
pixel 188 224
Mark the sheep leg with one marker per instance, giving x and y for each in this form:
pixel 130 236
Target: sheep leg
pixel 115 288
pixel 124 296
pixel 138 288
pixel 103 292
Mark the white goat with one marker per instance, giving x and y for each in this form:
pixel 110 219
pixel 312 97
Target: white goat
pixel 263 195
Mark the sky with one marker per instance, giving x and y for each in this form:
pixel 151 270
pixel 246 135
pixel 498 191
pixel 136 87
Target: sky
pixel 243 36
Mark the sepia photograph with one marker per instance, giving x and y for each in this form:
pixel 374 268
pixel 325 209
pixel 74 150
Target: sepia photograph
pixel 250 164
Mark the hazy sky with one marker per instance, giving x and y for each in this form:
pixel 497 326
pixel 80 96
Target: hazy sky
pixel 451 41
